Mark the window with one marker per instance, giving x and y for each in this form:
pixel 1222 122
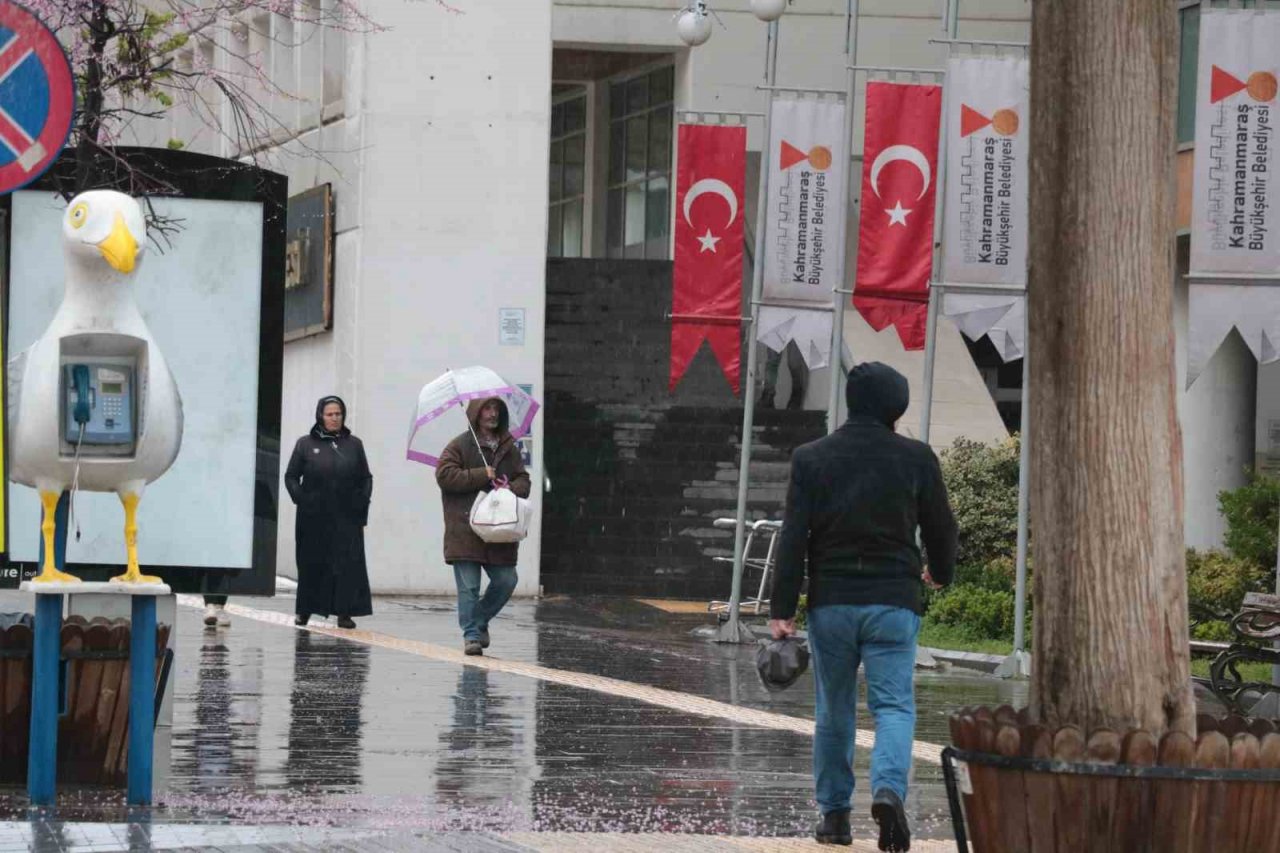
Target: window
pixel 638 212
pixel 1188 59
pixel 568 174
pixel 334 69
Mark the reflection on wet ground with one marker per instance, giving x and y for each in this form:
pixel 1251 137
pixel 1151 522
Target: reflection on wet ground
pixel 273 725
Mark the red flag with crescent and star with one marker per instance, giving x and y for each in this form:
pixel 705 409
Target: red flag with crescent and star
pixel 706 297
pixel 899 187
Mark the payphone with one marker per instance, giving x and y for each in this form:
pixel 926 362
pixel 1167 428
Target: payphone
pixel 99 405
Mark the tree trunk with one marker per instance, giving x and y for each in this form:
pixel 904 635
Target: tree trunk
pixel 1111 607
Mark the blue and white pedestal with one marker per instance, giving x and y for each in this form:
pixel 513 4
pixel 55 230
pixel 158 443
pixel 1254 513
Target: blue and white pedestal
pixel 42 761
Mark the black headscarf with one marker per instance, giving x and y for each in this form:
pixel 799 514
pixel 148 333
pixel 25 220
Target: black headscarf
pixel 877 391
pixel 318 430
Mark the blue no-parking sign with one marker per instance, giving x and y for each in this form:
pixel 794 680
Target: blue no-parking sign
pixel 37 97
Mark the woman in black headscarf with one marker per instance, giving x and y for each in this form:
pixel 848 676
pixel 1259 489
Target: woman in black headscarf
pixel 329 480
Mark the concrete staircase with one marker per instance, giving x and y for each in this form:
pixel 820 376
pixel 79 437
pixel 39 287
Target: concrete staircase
pixel 635 492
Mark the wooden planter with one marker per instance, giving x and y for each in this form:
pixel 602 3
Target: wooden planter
pixel 93 728
pixel 1024 787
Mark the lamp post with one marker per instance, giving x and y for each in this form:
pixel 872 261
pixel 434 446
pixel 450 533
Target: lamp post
pixel 732 631
pixel 694 26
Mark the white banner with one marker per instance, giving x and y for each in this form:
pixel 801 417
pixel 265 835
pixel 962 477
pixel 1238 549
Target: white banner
pixel 985 234
pixel 985 227
pixel 804 246
pixel 1235 205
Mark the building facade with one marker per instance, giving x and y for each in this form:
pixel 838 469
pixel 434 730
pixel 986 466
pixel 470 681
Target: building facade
pixel 467 146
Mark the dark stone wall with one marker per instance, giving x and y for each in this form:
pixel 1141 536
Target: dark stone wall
pixel 637 474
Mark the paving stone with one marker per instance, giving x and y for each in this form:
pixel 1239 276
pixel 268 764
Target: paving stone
pixel 289 739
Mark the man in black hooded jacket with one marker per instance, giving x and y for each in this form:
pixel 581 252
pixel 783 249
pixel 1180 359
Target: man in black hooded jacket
pixel 854 504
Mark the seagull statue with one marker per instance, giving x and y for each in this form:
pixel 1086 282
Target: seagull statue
pixel 103 234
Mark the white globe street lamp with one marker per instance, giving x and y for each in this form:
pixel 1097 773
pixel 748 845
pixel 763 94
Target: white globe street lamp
pixel 768 10
pixel 694 26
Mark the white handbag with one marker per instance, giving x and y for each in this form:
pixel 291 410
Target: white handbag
pixel 500 516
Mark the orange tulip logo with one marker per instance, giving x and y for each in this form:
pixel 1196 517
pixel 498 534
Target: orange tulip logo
pixel 1003 122
pixel 819 156
pixel 1260 85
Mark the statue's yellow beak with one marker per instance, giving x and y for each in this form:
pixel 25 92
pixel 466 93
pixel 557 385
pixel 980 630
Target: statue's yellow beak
pixel 120 249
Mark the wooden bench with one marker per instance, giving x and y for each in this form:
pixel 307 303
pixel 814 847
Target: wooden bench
pixel 93 725
pixel 1257 622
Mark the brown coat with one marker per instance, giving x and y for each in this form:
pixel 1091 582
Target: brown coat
pixel 461 477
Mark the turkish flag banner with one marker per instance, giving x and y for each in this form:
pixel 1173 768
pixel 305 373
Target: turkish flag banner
pixel 707 280
pixel 895 229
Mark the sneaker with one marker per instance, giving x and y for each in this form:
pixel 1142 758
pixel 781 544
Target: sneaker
pixel 886 808
pixel 210 615
pixel 472 647
pixel 224 618
pixel 484 639
pixel 346 622
pixel 834 829
pixel 302 619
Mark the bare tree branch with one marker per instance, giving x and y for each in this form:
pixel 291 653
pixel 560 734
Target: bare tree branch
pixel 136 61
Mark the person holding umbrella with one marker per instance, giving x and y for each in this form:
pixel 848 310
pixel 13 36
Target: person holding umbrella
pixel 483 458
pixel 486 456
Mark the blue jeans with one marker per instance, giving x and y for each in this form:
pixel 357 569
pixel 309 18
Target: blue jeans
pixel 476 611
pixel 883 640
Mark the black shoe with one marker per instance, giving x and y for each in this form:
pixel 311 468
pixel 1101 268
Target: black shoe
pixel 886 808
pixel 472 647
pixel 301 619
pixel 834 828
pixel 484 639
pixel 346 622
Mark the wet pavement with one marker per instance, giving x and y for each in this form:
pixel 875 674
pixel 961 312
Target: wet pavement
pixel 587 717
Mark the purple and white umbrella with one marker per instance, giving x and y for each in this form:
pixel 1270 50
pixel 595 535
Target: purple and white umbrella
pixel 430 430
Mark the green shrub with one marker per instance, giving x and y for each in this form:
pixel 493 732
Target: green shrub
pixel 978 612
pixel 998 574
pixel 1214 630
pixel 1252 513
pixel 1217 582
pixel 982 484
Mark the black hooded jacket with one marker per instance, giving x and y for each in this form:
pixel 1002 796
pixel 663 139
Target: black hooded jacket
pixel 854 502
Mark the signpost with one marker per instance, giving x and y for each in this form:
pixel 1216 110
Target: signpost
pixel 37 97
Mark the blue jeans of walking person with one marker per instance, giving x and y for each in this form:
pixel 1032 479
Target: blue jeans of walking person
pixel 883 640
pixel 474 610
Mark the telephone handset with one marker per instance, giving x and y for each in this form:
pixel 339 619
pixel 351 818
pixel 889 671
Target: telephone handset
pixel 80 379
pixel 99 403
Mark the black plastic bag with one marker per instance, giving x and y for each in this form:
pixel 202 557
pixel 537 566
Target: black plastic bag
pixel 780 663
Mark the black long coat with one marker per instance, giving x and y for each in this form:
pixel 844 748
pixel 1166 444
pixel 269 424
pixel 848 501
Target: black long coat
pixel 329 480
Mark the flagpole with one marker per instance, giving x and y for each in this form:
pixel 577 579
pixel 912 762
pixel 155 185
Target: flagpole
pixel 952 26
pixel 1020 663
pixel 850 252
pixel 732 631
